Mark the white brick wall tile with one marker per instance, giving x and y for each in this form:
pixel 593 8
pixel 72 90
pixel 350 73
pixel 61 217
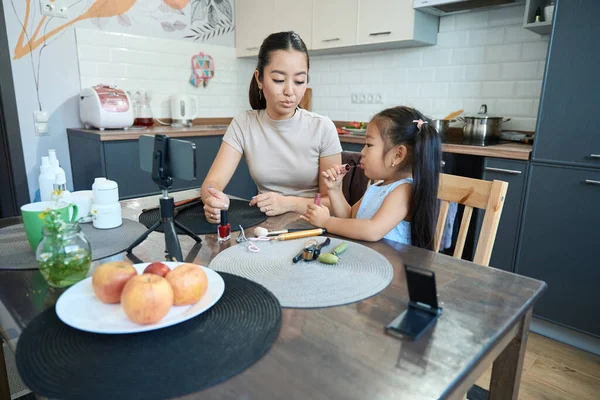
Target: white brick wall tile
pixel 447 23
pixel 410 58
pixel 360 88
pixel 337 64
pixel 345 104
pixel 450 74
pixel 523 70
pixel 397 75
pixel 88 69
pixel 502 53
pixel 534 51
pixel 424 74
pixel 338 115
pixel 320 90
pixel 436 57
pixel 347 77
pixel 482 72
pixel 371 76
pixel 339 90
pixel 383 61
pixel 464 89
pixel 471 20
pixel 518 108
pixel 499 90
pixel 407 90
pixel 484 37
pixel 112 70
pixel 443 107
pixel 468 55
pixel 330 78
pixel 386 89
pixel 360 63
pixel 541 69
pixel 452 39
pixel 506 15
pixel 98 38
pixel 518 34
pixel 536 107
pixel 435 90
pixel 471 106
pixel 423 105
pixel 520 123
pixel 93 53
pixel 320 64
pixel 529 89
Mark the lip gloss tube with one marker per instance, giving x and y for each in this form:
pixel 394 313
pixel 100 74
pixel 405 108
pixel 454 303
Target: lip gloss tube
pixel 318 199
pixel 224 228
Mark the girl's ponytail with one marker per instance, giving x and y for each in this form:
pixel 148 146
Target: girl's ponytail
pixel 426 165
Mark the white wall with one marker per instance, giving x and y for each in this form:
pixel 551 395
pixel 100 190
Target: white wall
pixel 481 57
pixel 59 81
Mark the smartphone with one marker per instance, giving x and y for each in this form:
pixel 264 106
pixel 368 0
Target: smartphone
pixel 423 307
pixel 180 155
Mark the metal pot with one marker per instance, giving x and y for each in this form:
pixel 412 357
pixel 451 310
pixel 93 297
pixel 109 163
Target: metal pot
pixel 442 125
pixel 481 128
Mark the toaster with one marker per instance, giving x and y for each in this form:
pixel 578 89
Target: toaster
pixel 105 107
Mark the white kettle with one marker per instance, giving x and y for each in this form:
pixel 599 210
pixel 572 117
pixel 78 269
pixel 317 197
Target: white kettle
pixel 184 109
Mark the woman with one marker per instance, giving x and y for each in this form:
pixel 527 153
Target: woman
pixel 286 148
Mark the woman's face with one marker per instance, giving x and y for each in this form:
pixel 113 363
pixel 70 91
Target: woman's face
pixel 284 82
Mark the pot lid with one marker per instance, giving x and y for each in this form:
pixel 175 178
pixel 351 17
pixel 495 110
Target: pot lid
pixel 483 114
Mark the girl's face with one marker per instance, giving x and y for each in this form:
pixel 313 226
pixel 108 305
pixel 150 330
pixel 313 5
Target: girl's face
pixel 284 82
pixel 377 163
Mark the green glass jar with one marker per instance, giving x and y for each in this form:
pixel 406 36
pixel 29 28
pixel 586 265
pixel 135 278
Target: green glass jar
pixel 65 256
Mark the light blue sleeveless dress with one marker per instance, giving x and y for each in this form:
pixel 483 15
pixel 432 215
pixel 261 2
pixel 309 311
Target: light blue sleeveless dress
pixel 372 201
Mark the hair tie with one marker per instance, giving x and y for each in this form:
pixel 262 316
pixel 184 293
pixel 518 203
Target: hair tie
pixel 420 123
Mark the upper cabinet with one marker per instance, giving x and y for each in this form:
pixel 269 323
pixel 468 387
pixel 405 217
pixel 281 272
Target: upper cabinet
pixel 295 15
pixel 253 23
pixel 334 23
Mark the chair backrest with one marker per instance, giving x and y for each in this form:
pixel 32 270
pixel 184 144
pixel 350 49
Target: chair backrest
pixel 472 193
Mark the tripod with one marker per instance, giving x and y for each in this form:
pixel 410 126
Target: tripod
pixel 160 168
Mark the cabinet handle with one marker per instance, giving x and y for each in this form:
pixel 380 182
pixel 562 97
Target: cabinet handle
pixel 380 33
pixel 595 155
pixel 251 48
pixel 331 40
pixel 592 182
pixel 506 171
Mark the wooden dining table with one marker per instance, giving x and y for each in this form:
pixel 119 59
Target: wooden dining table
pixel 343 352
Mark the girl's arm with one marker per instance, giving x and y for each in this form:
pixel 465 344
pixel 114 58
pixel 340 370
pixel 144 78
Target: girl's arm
pixel 394 209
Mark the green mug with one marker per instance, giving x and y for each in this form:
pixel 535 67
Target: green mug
pixel 33 219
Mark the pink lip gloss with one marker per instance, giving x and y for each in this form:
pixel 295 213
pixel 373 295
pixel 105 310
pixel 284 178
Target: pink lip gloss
pixel 224 228
pixel 318 199
pixel 347 168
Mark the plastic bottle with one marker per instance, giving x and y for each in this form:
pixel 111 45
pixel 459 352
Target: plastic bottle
pixel 60 192
pixel 54 163
pixel 46 180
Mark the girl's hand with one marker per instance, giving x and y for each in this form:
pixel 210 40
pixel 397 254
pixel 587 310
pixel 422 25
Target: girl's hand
pixel 333 177
pixel 270 203
pixel 214 204
pixel 316 215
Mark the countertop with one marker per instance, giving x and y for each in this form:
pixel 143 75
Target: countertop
pixel 513 151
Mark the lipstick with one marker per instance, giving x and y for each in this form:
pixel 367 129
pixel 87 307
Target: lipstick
pixel 318 199
pixel 224 228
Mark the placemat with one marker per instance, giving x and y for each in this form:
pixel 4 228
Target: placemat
pixel 57 361
pixel 192 217
pixel 15 252
pixel 360 273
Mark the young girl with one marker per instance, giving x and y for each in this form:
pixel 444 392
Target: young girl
pixel 404 152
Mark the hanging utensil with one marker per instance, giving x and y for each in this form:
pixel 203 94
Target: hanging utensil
pixel 453 115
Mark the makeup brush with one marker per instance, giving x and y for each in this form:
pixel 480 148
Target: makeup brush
pixel 301 234
pixel 260 231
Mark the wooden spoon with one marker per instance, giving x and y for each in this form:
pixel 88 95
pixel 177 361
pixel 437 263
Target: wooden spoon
pixel 453 115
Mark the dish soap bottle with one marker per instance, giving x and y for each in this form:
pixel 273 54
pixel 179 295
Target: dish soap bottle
pixel 46 179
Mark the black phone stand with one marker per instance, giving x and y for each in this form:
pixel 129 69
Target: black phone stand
pixel 161 176
pixel 423 309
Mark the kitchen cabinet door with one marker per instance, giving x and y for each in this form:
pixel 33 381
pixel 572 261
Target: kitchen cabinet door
pixel 254 21
pixel 505 245
pixel 567 130
pixel 334 23
pixel 559 244
pixel 295 15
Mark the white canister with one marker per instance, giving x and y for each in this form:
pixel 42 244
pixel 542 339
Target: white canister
pixel 105 191
pixel 106 216
pixel 83 199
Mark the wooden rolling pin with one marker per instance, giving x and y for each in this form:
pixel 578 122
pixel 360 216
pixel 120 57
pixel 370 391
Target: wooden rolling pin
pixel 301 234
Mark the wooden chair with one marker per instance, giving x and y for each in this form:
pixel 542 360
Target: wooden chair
pixel 472 193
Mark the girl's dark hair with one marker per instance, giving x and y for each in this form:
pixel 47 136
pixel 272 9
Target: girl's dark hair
pixel 425 157
pixel 275 41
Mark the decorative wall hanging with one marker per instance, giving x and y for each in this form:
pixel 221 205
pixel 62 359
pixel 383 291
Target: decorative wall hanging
pixel 203 68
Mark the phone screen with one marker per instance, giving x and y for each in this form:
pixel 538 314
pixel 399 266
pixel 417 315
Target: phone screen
pixel 182 157
pixel 421 286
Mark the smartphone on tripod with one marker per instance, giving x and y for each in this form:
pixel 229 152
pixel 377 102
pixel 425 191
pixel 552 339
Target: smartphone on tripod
pixel 179 156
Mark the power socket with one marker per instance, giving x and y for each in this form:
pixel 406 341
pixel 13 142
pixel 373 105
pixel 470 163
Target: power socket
pixel 366 98
pixel 54 9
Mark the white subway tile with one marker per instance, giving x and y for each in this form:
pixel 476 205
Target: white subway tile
pixel 348 77
pixel 498 89
pixel 464 89
pixel 436 57
pixel 447 23
pixel 536 107
pixel 541 69
pixel 338 64
pixel 529 89
pixel 452 39
pixel 506 15
pixel 484 37
pixel 383 61
pixel 425 106
pixel 360 88
pixel 397 75
pixel 502 53
pixel 360 63
pixel 468 55
pixel 520 123
pixel 320 64
pixel 339 90
pixel 424 74
pixel 93 53
pixel 450 74
pixel 534 51
pixel 407 90
pixel 330 78
pixel 482 72
pixel 408 58
pixel 88 68
pixel 471 20
pixel 321 90
pixel 471 106
pixel 387 90
pixel 434 90
pixel 443 107
pixel 338 115
pixel 523 70
pixel 371 76
pixel 98 38
pixel 345 104
pixel 518 108
pixel 518 34
pixel 112 70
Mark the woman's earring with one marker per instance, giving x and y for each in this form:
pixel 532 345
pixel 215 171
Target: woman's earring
pixel 393 164
pixel 260 93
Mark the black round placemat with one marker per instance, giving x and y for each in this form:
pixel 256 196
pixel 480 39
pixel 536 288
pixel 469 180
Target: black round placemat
pixel 239 213
pixel 58 361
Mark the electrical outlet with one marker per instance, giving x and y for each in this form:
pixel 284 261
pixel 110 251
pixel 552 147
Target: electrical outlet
pixel 54 9
pixel 40 122
pixel 367 98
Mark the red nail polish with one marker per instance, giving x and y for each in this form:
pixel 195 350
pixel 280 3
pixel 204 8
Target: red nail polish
pixel 318 199
pixel 224 228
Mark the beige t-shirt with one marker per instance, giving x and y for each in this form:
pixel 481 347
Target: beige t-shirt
pixel 283 156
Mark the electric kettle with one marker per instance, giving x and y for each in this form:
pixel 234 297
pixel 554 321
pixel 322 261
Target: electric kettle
pixel 183 110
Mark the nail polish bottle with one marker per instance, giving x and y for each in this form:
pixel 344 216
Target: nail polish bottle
pixel 317 199
pixel 224 228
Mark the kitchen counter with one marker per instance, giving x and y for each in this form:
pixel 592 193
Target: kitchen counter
pixel 512 151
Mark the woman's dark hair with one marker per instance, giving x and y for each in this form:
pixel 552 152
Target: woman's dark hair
pixel 425 157
pixel 275 41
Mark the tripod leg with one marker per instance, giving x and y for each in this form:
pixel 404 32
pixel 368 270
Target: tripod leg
pixel 187 231
pixel 143 236
pixel 173 246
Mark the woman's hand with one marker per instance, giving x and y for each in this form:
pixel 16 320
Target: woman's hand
pixel 214 204
pixel 316 215
pixel 270 203
pixel 333 178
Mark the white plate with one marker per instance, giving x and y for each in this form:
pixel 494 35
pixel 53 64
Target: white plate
pixel 79 307
pixel 355 131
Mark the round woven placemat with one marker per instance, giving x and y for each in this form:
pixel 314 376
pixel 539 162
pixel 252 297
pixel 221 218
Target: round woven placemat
pixel 360 273
pixel 16 253
pixel 239 213
pixel 57 361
